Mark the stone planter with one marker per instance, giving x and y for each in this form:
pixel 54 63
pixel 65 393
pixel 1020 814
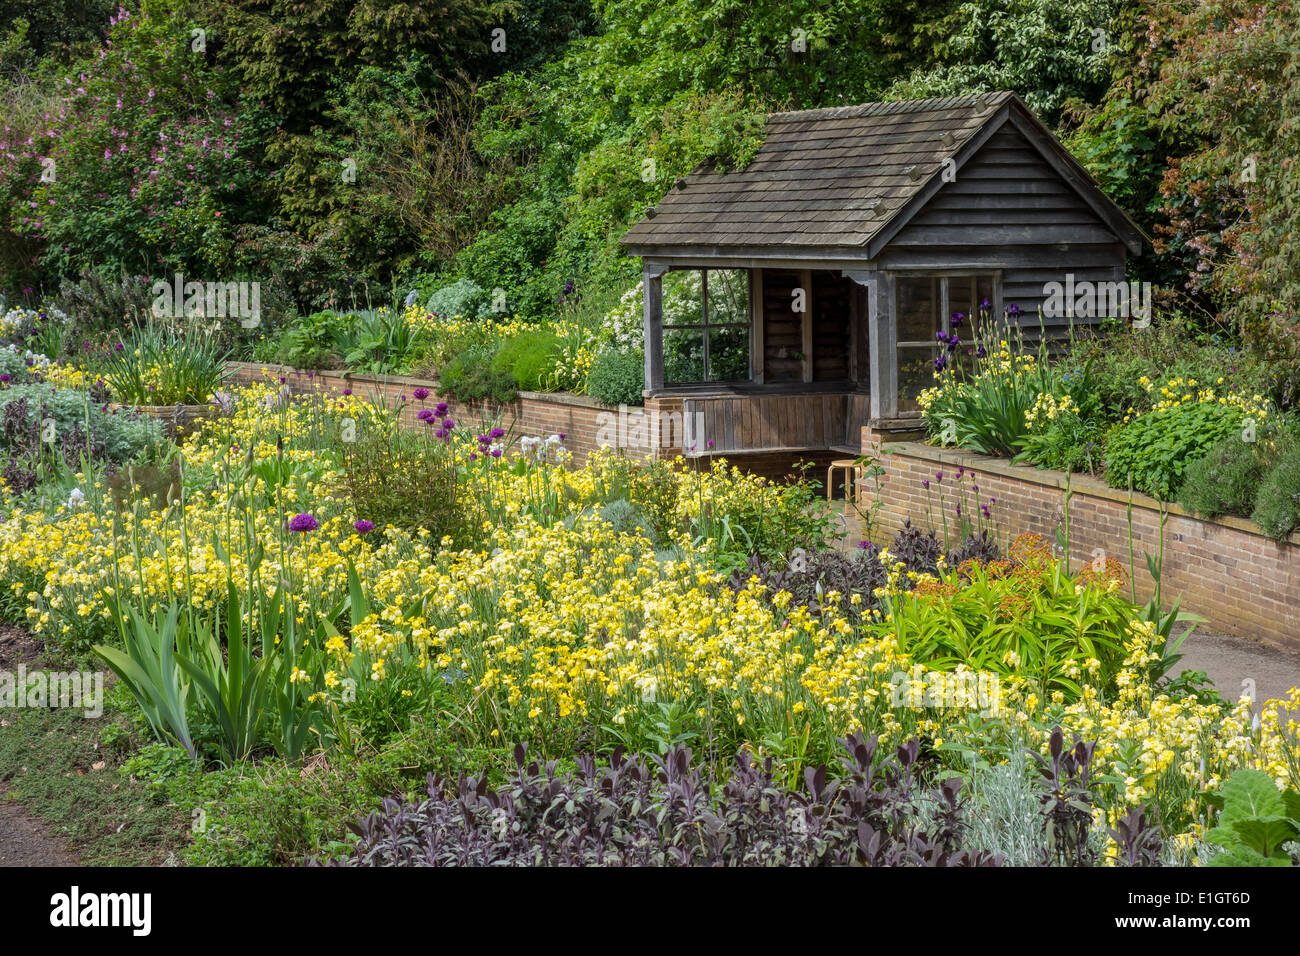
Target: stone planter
pixel 177 420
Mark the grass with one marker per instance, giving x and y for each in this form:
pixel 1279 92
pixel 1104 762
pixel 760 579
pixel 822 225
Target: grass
pixel 64 768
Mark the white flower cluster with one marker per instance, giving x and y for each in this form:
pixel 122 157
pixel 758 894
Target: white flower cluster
pixel 12 356
pixel 550 448
pixel 623 324
pixel 17 319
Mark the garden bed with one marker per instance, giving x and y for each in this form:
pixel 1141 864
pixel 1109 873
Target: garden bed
pixel 1226 569
pixel 577 417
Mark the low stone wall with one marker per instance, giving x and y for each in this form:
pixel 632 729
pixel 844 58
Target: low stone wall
pixel 1226 570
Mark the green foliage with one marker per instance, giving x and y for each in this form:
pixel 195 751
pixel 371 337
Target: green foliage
pixel 617 378
pixel 1034 623
pixel 470 377
pixel 530 359
pixel 1071 442
pixel 1046 50
pixel 1152 453
pixel 1277 504
pixel 399 477
pixel 114 435
pixel 308 342
pixel 378 341
pixel 460 297
pixel 1225 480
pixel 986 411
pixel 1255 820
pixel 118 197
pixel 159 365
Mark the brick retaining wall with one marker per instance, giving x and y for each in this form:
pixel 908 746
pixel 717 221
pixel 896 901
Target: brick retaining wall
pixel 583 421
pixel 1245 583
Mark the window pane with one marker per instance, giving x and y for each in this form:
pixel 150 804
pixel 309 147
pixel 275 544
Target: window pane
pixel 728 296
pixel 683 294
pixel 918 309
pixel 728 351
pixel 683 356
pixel 915 375
pixel 962 301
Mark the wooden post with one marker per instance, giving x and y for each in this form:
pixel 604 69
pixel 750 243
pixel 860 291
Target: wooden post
pixel 805 279
pixel 653 319
pixel 884 353
pixel 756 360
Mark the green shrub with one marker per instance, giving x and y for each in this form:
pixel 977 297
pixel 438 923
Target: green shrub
pixel 617 378
pixel 469 377
pixel 530 359
pixel 402 478
pixel 1225 480
pixel 986 411
pixel 116 435
pixel 309 342
pixel 1277 505
pixel 463 297
pixel 156 365
pixel 1151 453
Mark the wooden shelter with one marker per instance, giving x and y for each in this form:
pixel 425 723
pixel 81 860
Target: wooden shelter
pixel 793 302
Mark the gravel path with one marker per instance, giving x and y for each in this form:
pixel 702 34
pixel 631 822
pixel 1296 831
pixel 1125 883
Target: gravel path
pixel 1233 662
pixel 26 841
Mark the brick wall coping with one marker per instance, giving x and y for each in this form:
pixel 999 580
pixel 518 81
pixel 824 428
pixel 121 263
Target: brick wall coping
pixel 557 398
pixel 1050 478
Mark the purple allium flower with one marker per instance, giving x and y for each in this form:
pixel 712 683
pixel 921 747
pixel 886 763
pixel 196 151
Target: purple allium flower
pixel 984 509
pixel 347 391
pixel 959 511
pixel 421 394
pixel 925 483
pixel 496 452
pixel 561 436
pixel 303 522
pixel 448 424
pixel 425 415
pixel 709 443
pixel 363 526
pixel 938 477
pixel 4 377
pixel 283 380
pixel 473 456
pixel 118 347
pixel 497 433
pixel 441 409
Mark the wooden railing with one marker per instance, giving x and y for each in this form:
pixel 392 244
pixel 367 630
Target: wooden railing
pixel 777 422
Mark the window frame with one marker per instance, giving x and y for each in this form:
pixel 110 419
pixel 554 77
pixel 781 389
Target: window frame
pixel 944 304
pixel 704 326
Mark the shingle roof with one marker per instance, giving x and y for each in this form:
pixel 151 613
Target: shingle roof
pixel 823 178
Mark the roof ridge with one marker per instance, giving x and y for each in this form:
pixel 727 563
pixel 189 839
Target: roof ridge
pixel 891 107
